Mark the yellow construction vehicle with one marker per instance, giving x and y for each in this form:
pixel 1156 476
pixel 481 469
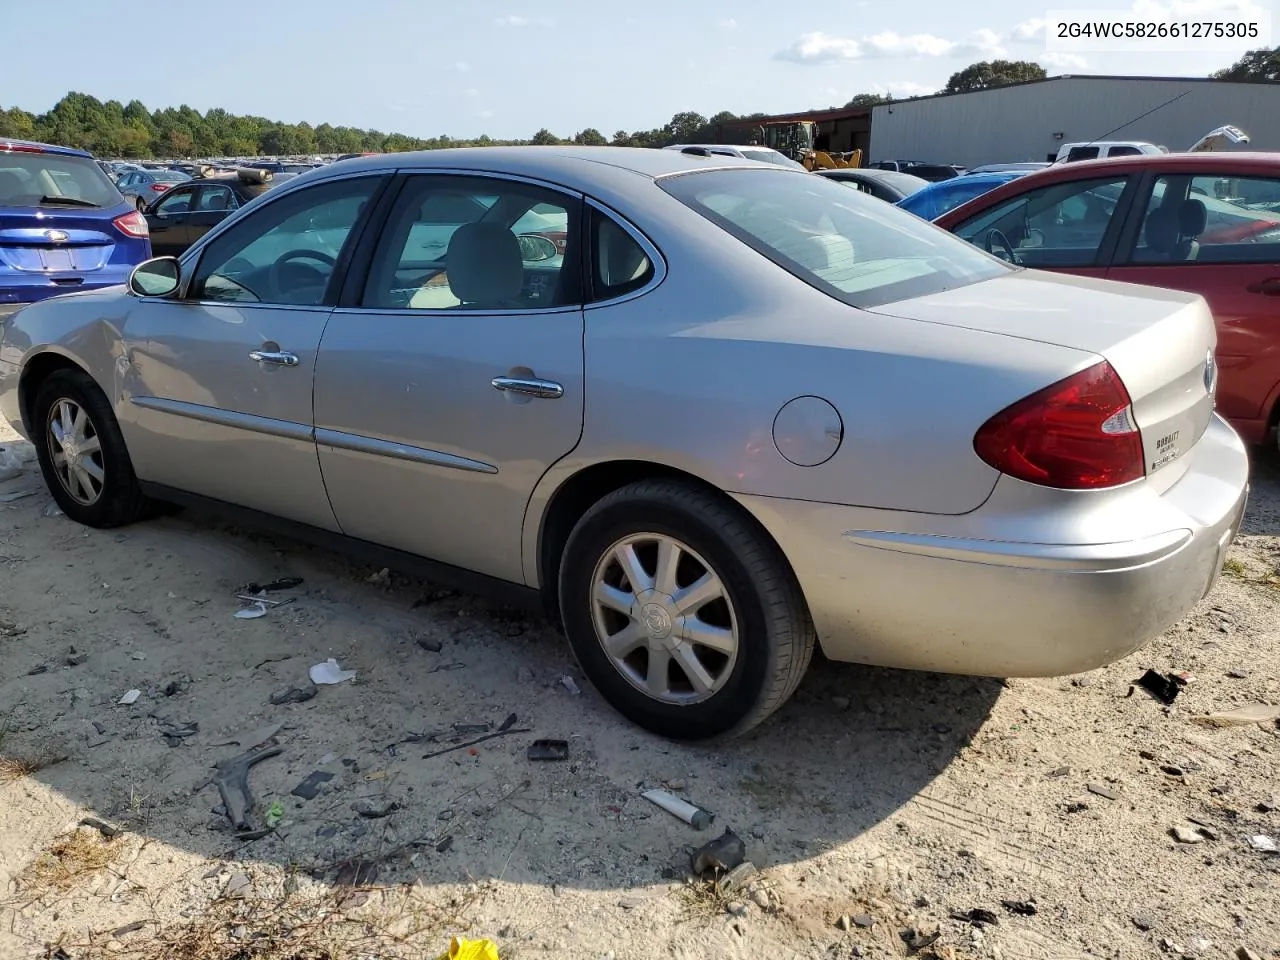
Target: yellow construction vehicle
pixel 796 139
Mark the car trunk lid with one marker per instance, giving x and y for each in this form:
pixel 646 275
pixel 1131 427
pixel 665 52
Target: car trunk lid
pixel 55 240
pixel 1159 341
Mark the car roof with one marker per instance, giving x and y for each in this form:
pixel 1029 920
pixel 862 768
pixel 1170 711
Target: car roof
pixel 994 177
pixel 10 145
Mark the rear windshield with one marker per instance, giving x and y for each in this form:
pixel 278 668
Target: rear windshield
pixel 771 156
pixel 170 176
pixel 851 246
pixel 42 179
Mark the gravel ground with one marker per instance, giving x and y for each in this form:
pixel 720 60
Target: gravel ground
pixel 876 800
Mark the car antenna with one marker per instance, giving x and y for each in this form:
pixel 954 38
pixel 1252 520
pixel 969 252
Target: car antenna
pixel 1130 121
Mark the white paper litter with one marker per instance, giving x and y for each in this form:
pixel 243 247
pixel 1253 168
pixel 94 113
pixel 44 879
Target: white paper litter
pixel 252 613
pixel 1263 843
pixel 130 697
pixel 330 672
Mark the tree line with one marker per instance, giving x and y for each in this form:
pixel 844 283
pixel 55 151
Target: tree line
pixel 113 129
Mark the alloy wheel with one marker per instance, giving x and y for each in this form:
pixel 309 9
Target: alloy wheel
pixel 76 451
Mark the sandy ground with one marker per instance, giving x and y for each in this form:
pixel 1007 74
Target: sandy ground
pixel 894 799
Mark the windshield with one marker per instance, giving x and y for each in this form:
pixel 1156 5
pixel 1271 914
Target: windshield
pixel 937 200
pixel 770 156
pixel 851 246
pixel 35 179
pixel 169 176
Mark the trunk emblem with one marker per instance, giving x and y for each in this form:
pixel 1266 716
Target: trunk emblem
pixel 57 236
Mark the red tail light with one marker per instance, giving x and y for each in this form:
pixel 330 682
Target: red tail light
pixel 132 224
pixel 159 187
pixel 1078 434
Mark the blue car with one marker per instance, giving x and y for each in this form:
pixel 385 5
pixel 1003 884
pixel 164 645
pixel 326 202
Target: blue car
pixel 64 225
pixel 936 199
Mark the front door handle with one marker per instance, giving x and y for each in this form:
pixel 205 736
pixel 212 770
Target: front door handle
pixel 277 357
pixel 1268 288
pixel 529 387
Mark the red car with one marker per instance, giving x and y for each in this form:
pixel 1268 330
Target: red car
pixel 1208 223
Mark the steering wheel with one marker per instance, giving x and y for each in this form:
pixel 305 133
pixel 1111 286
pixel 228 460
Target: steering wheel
pixel 998 245
pixel 277 268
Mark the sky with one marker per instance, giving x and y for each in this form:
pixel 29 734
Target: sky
pixel 509 67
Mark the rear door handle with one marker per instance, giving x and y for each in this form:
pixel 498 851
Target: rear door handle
pixel 1268 288
pixel 529 387
pixel 277 357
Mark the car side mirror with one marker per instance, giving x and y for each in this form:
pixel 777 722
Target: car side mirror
pixel 535 248
pixel 158 277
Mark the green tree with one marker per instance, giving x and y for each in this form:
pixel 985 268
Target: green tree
pixel 869 100
pixel 16 122
pixel 1256 66
pixel 621 139
pixel 590 137
pixel 993 73
pixel 544 138
pixel 684 127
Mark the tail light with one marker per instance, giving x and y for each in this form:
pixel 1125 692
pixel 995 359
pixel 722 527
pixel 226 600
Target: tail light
pixel 159 187
pixel 132 224
pixel 1077 434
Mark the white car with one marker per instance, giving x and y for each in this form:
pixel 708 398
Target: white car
pixel 754 152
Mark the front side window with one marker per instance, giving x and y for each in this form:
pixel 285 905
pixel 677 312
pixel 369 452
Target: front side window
pixel 476 243
pixel 175 204
pixel 1210 219
pixel 855 248
pixel 216 199
pixel 285 253
pixel 1060 225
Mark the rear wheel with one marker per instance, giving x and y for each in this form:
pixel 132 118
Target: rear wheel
pixel 140 204
pixel 681 612
pixel 82 452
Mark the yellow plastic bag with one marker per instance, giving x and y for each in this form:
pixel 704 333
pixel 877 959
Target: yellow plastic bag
pixel 471 950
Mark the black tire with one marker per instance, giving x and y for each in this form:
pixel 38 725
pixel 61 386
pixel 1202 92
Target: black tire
pixel 775 634
pixel 141 205
pixel 120 500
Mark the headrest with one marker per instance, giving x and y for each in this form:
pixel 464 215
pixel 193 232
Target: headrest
pixel 1192 218
pixel 1161 230
pixel 484 265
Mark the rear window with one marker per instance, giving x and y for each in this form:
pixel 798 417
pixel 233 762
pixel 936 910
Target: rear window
pixel 771 156
pixel 170 176
pixel 853 247
pixel 44 179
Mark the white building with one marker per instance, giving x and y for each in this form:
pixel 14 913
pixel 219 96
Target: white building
pixel 1029 121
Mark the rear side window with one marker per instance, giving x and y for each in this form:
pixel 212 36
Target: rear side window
pixel 852 247
pixel 53 180
pixel 1209 219
pixel 620 264
pixel 1082 153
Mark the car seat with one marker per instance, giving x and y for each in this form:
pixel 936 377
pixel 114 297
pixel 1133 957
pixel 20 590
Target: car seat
pixel 484 267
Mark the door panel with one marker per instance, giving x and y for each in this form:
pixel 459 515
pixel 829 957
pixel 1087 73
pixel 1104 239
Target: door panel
pixel 169 223
pixel 200 415
pixel 419 448
pixel 420 452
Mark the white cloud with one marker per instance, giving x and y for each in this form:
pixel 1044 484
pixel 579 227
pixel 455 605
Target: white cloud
pixel 1062 61
pixel 471 92
pixel 462 66
pixel 818 47
pixel 1029 31
pixel 485 114
pixel 512 21
pixel 730 24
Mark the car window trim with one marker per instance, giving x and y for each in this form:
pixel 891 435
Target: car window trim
pixel 352 291
pixel 340 267
pixel 635 233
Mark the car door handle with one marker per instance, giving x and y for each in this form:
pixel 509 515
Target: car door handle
pixel 529 387
pixel 277 357
pixel 1268 288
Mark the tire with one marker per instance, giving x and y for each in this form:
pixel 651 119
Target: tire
pixel 758 611
pixel 140 204
pixel 112 498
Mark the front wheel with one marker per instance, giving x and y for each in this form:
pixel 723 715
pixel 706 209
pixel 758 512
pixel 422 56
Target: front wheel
pixel 82 452
pixel 682 613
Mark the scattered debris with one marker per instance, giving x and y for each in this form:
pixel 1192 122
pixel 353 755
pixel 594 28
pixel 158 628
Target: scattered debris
pixel 571 685
pixel 917 940
pixel 102 827
pixel 330 673
pixel 508 727
pixel 1238 674
pixel 1143 922
pixel 864 920
pixel 1270 805
pixel 1077 807
pixel 130 698
pixel 237 887
pixel 430 644
pixel 10 464
pixel 736 908
pixel 310 787
pixel 252 738
pixel 1102 791
pixel 696 817
pixel 1244 953
pixel 471 729
pixel 1257 713
pixel 52 510
pixel 524 675
pixel 549 750
pixel 1023 908
pixel 294 695
pixel 284 583
pixel 382 576
pixel 722 854
pixel 252 612
pixel 356 873
pixel 1164 687
pixel 631 903
pixel 175 733
pixel 977 916
pixel 1186 835
pixel 1171 770
pixel 1264 844
pixel 17 495
pixel 845 923
pixel 737 877
pixel 444 845
pixel 38 669
pixel 233 781
pixel 275 813
pixel 375 808
pixel 1060 772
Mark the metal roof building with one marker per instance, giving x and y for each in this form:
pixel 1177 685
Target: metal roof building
pixel 1029 121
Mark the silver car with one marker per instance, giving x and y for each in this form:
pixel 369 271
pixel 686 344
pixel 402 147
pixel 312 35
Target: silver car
pixel 709 412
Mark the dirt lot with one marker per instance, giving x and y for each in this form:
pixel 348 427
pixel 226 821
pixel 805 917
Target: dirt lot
pixel 892 799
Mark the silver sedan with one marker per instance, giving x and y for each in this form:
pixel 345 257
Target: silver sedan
pixel 708 412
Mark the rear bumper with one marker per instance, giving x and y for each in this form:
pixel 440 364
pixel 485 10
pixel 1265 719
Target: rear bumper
pixel 18 289
pixel 965 598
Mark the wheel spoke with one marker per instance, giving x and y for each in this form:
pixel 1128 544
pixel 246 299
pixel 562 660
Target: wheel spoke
pixel 91 445
pixel 704 634
pixel 613 598
pixel 83 482
pixel 630 563
pixel 59 458
pixel 78 423
pixel 664 576
pixel 66 418
pixel 698 594
pixel 625 641
pixel 656 680
pixel 693 669
pixel 92 469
